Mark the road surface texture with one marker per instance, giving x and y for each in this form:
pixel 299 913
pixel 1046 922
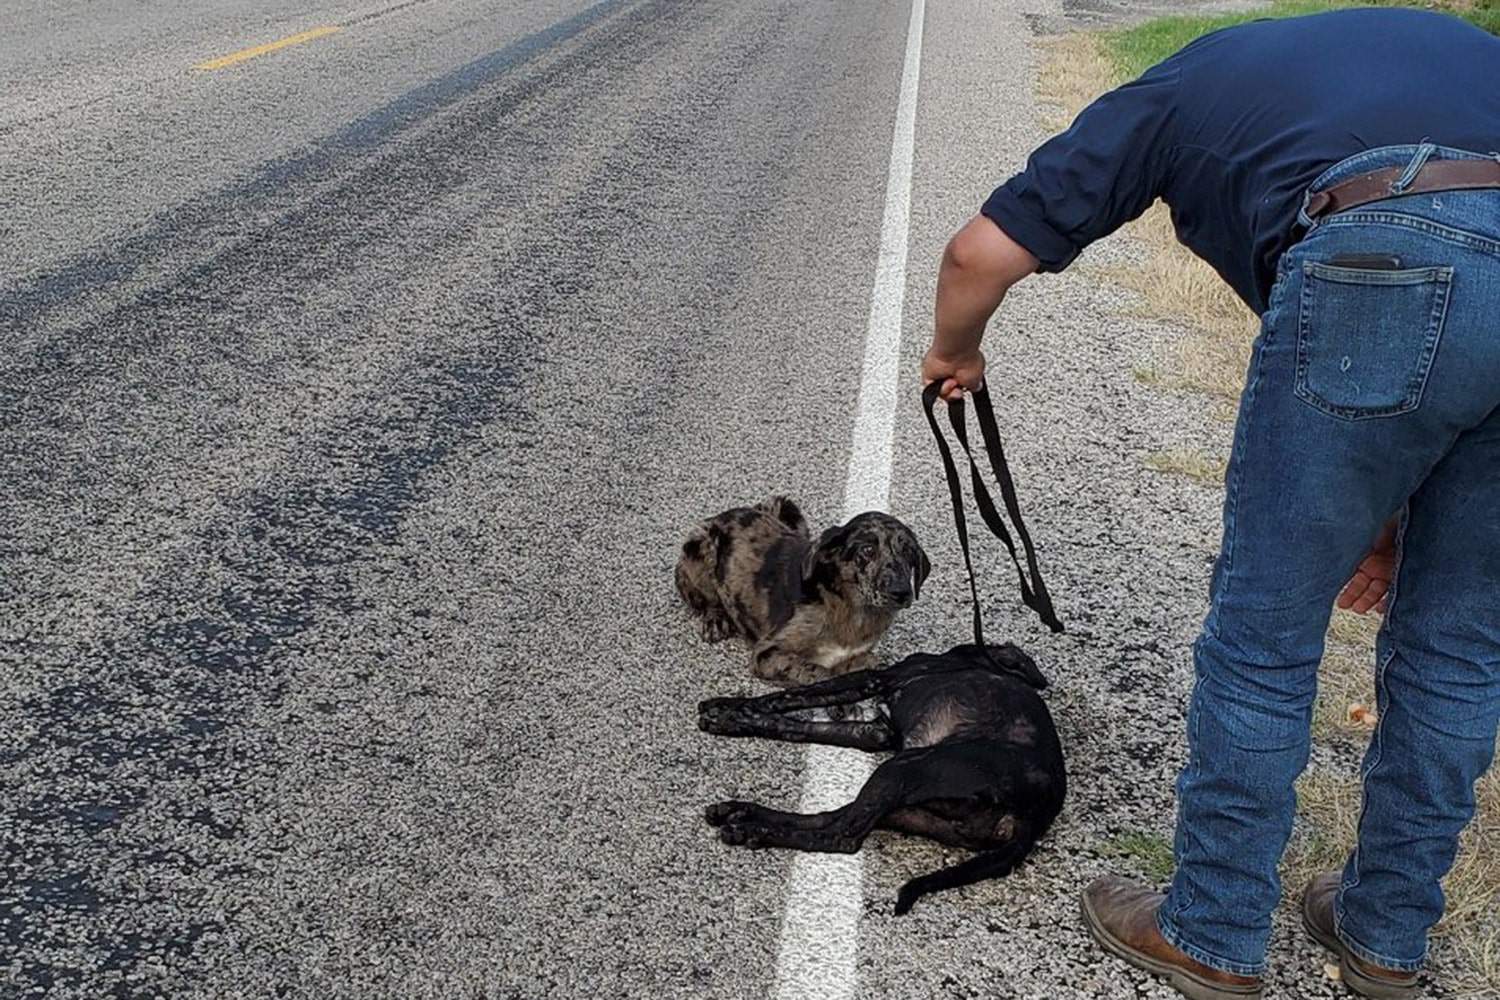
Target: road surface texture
pixel 356 395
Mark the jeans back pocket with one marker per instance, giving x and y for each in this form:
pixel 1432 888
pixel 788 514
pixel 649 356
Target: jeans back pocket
pixel 1366 338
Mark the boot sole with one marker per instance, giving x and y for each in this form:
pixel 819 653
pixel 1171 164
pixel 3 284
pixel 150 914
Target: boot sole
pixel 1190 985
pixel 1365 986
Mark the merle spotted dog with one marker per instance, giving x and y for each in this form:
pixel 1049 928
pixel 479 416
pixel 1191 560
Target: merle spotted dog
pixel 978 763
pixel 810 609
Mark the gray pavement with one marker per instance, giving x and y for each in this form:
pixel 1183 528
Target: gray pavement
pixel 355 398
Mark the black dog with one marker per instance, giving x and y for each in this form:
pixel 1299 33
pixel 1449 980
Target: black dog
pixel 978 762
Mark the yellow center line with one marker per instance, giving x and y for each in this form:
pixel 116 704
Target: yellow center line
pixel 260 50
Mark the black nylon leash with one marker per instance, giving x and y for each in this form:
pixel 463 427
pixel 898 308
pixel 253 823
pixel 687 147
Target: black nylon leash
pixel 1034 591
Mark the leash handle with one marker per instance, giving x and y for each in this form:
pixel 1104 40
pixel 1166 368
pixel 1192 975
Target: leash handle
pixel 1033 591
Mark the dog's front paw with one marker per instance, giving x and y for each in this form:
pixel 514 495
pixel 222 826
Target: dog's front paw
pixel 716 628
pixel 727 812
pixel 716 714
pixel 785 669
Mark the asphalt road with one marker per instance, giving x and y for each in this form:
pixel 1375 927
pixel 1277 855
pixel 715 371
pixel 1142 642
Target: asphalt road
pixel 355 398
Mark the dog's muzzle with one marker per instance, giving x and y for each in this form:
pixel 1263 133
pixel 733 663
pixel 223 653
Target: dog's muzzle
pixel 900 596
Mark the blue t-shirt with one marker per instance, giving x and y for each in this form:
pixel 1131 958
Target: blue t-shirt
pixel 1232 130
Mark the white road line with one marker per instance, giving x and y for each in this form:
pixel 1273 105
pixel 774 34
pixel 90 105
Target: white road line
pixel 820 930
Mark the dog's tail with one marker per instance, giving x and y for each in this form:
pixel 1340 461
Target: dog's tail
pixel 991 864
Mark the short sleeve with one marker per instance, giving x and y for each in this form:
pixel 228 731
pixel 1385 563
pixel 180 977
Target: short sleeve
pixel 1105 170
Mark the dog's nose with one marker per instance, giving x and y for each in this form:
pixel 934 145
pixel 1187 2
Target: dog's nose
pixel 901 595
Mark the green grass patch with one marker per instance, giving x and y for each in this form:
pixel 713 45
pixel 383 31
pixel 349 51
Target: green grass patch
pixel 1151 852
pixel 1134 50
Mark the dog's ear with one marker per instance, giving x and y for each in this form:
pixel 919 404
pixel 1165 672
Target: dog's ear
pixel 923 569
pixel 1011 659
pixel 822 554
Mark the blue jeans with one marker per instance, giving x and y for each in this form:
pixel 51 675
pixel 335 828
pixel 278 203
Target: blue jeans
pixel 1371 393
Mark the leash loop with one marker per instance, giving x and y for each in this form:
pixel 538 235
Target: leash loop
pixel 1033 591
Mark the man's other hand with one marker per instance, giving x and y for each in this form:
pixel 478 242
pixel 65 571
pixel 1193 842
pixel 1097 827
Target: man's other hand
pixel 1372 581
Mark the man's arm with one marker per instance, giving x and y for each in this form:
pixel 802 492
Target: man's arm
pixel 979 265
pixel 1077 187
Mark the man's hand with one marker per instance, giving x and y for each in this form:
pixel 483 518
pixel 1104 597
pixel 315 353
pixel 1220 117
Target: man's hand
pixel 1372 581
pixel 956 373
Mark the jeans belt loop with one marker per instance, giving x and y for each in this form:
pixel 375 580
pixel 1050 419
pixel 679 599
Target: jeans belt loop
pixel 1304 220
pixel 1418 161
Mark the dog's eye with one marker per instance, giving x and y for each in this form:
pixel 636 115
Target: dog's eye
pixel 867 551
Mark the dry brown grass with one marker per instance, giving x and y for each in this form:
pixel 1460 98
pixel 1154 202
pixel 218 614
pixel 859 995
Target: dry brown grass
pixel 1469 933
pixel 1329 808
pixel 1347 675
pixel 1173 285
pixel 1210 358
pixel 1075 70
pixel 1196 465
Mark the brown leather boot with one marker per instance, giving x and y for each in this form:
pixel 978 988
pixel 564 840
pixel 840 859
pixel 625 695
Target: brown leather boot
pixel 1364 978
pixel 1122 917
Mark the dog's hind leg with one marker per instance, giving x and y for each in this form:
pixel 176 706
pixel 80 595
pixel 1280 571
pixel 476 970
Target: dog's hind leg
pixel 826 833
pixel 895 783
pixel 735 811
pixel 920 822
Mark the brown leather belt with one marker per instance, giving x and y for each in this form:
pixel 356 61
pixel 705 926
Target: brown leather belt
pixel 1435 175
